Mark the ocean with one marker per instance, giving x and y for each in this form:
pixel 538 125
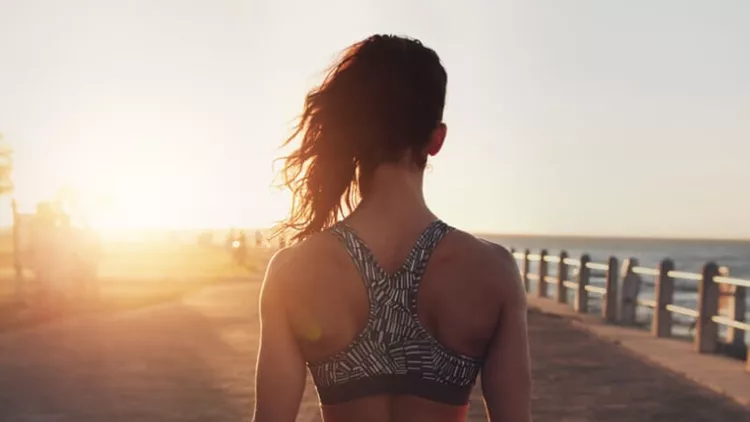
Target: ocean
pixel 687 255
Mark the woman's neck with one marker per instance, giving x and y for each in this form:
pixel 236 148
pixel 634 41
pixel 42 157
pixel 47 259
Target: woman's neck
pixel 395 196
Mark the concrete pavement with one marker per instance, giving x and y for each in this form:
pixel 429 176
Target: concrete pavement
pixel 194 361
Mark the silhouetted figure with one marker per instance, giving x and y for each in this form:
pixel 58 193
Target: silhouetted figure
pixel 240 248
pixel 229 242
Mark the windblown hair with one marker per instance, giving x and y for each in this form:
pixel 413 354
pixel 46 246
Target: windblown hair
pixel 379 103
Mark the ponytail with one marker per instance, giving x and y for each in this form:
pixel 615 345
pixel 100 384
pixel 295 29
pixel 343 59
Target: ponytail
pixel 382 99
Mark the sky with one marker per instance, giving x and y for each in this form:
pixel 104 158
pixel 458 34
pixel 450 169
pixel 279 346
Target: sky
pixel 584 117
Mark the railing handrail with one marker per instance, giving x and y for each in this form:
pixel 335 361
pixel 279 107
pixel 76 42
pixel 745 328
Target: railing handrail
pixel 684 275
pixel 732 281
pixel 572 285
pixel 596 289
pixel 572 262
pixel 647 303
pixel 729 322
pixel 597 266
pixel 645 271
pixel 681 310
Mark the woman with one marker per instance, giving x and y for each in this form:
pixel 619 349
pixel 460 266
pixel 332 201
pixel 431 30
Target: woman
pixel 394 312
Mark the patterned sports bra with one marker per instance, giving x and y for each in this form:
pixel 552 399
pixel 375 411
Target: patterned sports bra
pixel 394 353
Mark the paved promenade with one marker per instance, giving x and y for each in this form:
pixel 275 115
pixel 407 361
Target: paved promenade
pixel 193 361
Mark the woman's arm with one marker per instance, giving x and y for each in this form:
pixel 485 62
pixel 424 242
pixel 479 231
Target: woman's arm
pixel 280 370
pixel 506 377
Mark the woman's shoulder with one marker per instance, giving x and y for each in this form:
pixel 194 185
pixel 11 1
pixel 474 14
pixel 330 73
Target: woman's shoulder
pixel 311 255
pixel 486 260
pixel 292 270
pixel 490 253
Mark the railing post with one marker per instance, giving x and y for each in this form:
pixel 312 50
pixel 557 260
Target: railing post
pixel 706 332
pixel 542 286
pixel 609 310
pixel 525 270
pixel 736 308
pixel 628 294
pixel 562 276
pixel 661 324
pixel 582 295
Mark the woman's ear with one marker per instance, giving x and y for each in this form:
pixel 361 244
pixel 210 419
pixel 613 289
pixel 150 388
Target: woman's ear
pixel 437 138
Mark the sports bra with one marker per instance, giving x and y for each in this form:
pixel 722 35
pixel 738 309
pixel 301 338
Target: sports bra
pixel 394 354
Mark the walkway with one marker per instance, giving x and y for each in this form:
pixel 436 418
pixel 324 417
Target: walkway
pixel 193 361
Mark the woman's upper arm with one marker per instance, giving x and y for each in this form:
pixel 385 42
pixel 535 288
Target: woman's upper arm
pixel 280 370
pixel 506 378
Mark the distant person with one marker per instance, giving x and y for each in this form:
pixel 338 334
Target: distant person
pixel 258 239
pixel 229 241
pixel 394 312
pixel 240 248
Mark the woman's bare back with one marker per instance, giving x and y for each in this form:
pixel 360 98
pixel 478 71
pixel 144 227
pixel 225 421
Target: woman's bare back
pixel 459 303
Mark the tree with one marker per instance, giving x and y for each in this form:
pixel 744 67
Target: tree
pixel 6 188
pixel 6 168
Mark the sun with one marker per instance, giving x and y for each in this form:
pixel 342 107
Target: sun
pixel 121 186
pixel 164 201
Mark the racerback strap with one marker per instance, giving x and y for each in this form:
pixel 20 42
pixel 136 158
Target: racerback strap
pixel 415 262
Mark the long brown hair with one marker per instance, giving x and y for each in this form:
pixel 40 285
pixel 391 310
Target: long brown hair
pixel 380 101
